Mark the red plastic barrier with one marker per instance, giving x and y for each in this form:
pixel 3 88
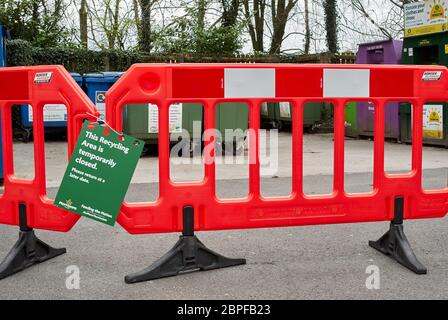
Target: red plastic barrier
pixel 210 84
pixel 38 86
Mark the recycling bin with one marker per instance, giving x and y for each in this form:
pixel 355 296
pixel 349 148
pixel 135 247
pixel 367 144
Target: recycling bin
pixel 141 121
pixel 96 85
pixel 2 46
pixel 351 121
pixel 284 115
pixel 232 116
pixel 435 123
pixel 381 52
pixel 268 115
pixel 426 49
pixel 55 115
pixel 312 115
pixel 278 115
pixel 78 78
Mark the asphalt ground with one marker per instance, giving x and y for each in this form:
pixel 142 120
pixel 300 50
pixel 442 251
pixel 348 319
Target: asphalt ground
pixel 314 262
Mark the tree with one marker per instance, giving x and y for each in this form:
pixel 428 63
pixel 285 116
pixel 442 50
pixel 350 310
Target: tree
pixel 37 21
pixel 83 28
pixel 255 20
pixel 384 19
pixel 230 11
pixel 358 5
pixel 110 22
pixel 307 29
pixel 273 16
pixel 145 28
pixel 280 11
pixel 137 19
pixel 331 25
pixel 193 32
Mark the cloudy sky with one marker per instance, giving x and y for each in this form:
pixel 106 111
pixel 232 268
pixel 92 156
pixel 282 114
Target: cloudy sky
pixel 354 27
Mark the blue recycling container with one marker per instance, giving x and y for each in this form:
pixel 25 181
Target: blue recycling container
pixel 2 64
pixel 2 46
pixel 96 85
pixel 78 78
pixel 60 119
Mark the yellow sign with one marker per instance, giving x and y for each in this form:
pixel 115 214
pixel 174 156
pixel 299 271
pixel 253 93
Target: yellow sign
pixel 446 49
pixel 437 12
pixel 425 17
pixel 433 122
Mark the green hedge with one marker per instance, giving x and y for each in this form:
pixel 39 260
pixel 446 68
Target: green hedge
pixel 21 53
pixel 83 61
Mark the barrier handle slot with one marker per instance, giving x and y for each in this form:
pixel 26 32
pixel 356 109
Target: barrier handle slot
pixel 188 218
pixel 22 218
pixel 398 210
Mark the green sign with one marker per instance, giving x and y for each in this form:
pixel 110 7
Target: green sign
pixel 99 173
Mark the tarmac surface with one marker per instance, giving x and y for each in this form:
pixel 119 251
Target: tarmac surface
pixel 314 262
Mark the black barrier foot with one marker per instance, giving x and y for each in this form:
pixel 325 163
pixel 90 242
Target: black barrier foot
pixel 27 251
pixel 395 244
pixel 187 255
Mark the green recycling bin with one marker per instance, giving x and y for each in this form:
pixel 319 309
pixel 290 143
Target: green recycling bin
pixel 351 120
pixel 283 112
pixel 278 115
pixel 141 121
pixel 426 49
pixel 312 115
pixel 233 117
pixel 268 115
